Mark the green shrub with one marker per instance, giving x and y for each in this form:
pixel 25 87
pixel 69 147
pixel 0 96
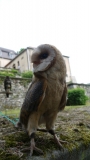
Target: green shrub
pixel 11 73
pixel 76 97
pixel 7 74
pixel 27 74
pixel 14 71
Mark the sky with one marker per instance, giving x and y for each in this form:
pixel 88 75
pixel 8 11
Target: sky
pixel 62 23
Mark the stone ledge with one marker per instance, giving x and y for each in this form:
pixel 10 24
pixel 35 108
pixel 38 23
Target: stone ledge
pixel 82 153
pixel 17 78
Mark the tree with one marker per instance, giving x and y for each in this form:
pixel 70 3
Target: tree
pixel 21 50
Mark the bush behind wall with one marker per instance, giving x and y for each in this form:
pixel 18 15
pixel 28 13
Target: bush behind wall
pixel 76 97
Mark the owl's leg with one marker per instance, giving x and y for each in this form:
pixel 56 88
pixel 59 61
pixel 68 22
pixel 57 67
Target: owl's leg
pixel 51 131
pixel 50 119
pixel 59 142
pixel 33 147
pixel 42 130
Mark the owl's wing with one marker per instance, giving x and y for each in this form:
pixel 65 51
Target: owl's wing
pixel 63 99
pixel 33 99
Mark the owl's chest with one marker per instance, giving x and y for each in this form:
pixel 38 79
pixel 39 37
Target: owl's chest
pixel 52 97
pixel 54 88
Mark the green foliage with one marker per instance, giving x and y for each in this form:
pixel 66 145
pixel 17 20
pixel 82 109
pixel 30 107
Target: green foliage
pixel 27 74
pixel 14 71
pixel 7 73
pixel 76 97
pixel 10 73
pixel 21 50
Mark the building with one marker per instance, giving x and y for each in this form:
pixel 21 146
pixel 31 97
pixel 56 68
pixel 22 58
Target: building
pixel 22 60
pixel 6 55
pixel 68 76
pixel 23 63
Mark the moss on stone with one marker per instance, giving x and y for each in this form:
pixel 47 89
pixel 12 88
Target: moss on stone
pixel 75 131
pixel 7 156
pixel 10 141
pixel 75 135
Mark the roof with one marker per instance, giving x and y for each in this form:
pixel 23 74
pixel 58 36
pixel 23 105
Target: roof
pixel 66 56
pixel 19 55
pixel 7 53
pixel 7 50
pixel 5 58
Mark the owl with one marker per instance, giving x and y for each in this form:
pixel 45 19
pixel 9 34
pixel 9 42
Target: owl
pixel 46 95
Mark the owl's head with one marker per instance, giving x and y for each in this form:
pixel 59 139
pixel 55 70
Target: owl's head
pixel 43 58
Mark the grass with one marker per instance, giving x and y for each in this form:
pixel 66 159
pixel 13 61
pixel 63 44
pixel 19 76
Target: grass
pixel 78 106
pixel 11 112
pixel 15 112
pixel 73 107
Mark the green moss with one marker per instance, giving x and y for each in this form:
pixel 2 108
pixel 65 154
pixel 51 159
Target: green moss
pixel 75 131
pixel 45 142
pixel 86 137
pixel 10 141
pixel 22 137
pixel 1 81
pixel 6 156
pixel 75 135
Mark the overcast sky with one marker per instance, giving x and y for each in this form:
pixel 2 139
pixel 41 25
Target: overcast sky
pixel 63 23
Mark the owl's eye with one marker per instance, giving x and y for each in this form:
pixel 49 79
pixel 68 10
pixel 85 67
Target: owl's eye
pixel 43 55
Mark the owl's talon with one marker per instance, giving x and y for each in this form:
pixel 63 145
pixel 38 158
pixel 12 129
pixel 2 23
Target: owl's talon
pixel 59 142
pixel 36 149
pixel 33 147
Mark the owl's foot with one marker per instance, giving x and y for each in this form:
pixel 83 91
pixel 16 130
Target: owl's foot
pixel 59 142
pixel 33 147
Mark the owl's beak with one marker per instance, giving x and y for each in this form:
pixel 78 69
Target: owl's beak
pixel 36 63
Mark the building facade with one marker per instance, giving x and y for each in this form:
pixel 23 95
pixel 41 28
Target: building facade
pixel 22 60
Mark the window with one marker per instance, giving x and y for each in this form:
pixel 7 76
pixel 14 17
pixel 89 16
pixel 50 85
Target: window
pixel 11 55
pixel 18 63
pixel 14 66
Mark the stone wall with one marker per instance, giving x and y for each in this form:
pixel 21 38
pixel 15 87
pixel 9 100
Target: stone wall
pixel 18 91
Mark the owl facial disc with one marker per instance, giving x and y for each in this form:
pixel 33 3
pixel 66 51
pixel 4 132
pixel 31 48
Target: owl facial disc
pixel 42 58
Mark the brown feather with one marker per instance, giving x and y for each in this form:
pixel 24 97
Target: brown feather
pixel 55 90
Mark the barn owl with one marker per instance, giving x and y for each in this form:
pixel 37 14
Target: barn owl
pixel 46 95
